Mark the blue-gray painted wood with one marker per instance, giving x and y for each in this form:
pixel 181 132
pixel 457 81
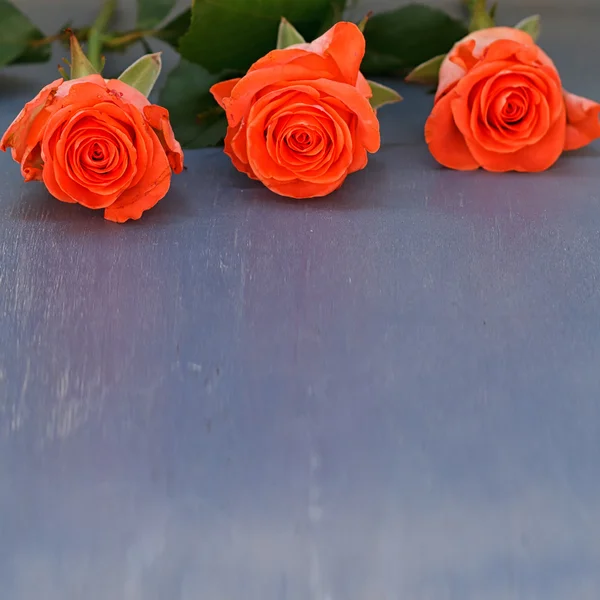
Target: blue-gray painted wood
pixel 389 394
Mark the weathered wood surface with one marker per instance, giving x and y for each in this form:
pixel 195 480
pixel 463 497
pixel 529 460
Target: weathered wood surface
pixel 391 393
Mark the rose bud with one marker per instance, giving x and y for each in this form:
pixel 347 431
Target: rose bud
pixel 300 120
pixel 98 142
pixel 500 105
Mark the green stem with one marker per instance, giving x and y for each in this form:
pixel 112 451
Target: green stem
pixel 125 39
pixel 63 36
pixel 97 31
pixel 114 41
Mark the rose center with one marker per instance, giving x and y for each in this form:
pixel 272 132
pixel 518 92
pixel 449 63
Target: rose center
pixel 300 140
pixel 97 156
pixel 514 109
pixel 97 153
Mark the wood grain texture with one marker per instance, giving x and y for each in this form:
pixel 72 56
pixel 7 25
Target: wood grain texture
pixel 391 393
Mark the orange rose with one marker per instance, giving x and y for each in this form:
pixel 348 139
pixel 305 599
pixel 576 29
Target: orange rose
pixel 500 105
pixel 300 120
pixel 96 142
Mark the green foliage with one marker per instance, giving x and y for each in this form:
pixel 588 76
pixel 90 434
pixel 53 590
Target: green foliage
pixel 195 116
pixel 97 31
pixel 288 35
pixel 143 73
pixel 334 13
pixel 80 64
pixel 17 33
pixel 174 30
pixel 530 25
pixel 152 12
pixel 480 17
pixel 232 34
pixel 382 95
pixel 35 52
pixel 399 40
pixel 427 72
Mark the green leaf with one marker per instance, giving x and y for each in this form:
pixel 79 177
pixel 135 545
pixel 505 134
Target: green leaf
pixel 174 30
pixel 382 95
pixel 480 17
pixel 198 121
pixel 399 40
pixel 288 35
pixel 34 53
pixel 17 33
pixel 493 10
pixel 80 65
pixel 63 73
pixel 233 34
pixel 335 13
pixel 96 34
pixel 143 73
pixel 530 25
pixel 427 72
pixel 151 12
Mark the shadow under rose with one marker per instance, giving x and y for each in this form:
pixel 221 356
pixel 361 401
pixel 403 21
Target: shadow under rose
pixel 175 207
pixel 514 196
pixel 592 151
pixel 37 205
pixel 361 191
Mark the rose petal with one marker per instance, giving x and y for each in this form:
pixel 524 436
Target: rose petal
pixel 239 103
pixel 299 106
pixel 302 189
pixel 54 153
pixel 345 43
pixel 342 49
pixel 485 37
pixel 530 159
pixel 476 44
pixel 237 145
pixel 282 56
pixel 52 185
pixel 301 56
pixel 463 56
pixel 367 123
pixel 222 90
pixel 301 115
pixel 362 85
pixel 17 133
pixel 106 181
pixel 445 140
pixel 98 149
pixel 158 117
pixel 81 82
pixel 151 188
pixel 127 94
pixel 105 110
pixel 583 121
pixel 24 134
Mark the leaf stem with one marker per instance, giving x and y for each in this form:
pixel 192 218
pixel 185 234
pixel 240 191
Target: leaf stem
pixel 63 36
pixel 127 38
pixel 95 38
pixel 116 41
